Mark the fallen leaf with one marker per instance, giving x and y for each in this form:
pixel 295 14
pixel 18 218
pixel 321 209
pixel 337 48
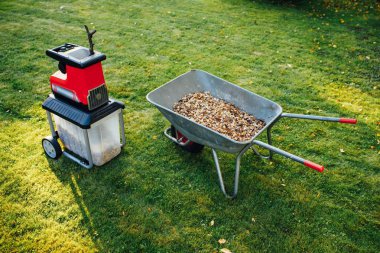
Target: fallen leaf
pixel 257 53
pixel 222 241
pixel 225 250
pixel 212 223
pixel 341 150
pixel 253 219
pixel 154 137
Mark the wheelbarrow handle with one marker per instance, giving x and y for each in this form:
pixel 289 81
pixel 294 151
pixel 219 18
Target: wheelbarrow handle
pixel 322 118
pixel 307 163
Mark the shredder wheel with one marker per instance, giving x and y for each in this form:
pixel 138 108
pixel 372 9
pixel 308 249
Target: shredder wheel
pixel 51 147
pixel 192 147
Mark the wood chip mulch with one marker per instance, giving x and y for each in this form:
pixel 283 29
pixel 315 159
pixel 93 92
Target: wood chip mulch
pixel 219 115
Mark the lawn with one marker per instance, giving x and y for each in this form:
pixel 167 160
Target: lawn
pixel 154 197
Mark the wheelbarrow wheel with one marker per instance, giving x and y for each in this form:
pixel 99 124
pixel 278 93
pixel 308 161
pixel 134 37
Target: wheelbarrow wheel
pixel 51 147
pixel 192 147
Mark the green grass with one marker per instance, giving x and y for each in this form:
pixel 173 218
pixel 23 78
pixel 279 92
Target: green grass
pixel 156 198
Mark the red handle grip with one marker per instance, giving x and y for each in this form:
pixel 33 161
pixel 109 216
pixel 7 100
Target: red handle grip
pixel 347 121
pixel 314 166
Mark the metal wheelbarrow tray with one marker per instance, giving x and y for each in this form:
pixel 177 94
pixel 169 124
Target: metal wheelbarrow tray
pixel 188 132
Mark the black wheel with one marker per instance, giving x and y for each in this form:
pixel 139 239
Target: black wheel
pixel 192 147
pixel 51 147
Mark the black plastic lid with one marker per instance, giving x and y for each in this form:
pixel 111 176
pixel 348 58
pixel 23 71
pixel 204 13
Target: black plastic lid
pixel 79 116
pixel 75 55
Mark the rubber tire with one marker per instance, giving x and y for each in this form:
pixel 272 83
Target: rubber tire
pixel 192 147
pixel 55 145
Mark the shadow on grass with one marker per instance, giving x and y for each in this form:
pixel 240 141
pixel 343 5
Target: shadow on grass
pixel 277 4
pixel 128 207
pixel 104 203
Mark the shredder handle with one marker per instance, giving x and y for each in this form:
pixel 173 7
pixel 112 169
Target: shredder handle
pixel 307 163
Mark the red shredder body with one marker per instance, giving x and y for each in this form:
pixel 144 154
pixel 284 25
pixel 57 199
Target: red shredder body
pixel 80 77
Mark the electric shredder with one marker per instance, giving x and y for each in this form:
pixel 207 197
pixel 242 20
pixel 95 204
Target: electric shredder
pixel 89 123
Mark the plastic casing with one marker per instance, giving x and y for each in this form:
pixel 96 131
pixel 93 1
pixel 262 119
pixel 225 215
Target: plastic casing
pixel 104 137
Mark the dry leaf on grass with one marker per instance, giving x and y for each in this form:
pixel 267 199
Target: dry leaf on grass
pixel 222 241
pixel 225 250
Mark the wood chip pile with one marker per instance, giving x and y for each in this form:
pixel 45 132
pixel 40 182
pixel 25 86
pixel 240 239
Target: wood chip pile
pixel 219 115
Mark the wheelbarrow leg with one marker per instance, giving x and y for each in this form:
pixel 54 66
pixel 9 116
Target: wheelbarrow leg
pixel 269 138
pixel 237 172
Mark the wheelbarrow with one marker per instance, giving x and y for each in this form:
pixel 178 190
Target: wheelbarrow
pixel 192 136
